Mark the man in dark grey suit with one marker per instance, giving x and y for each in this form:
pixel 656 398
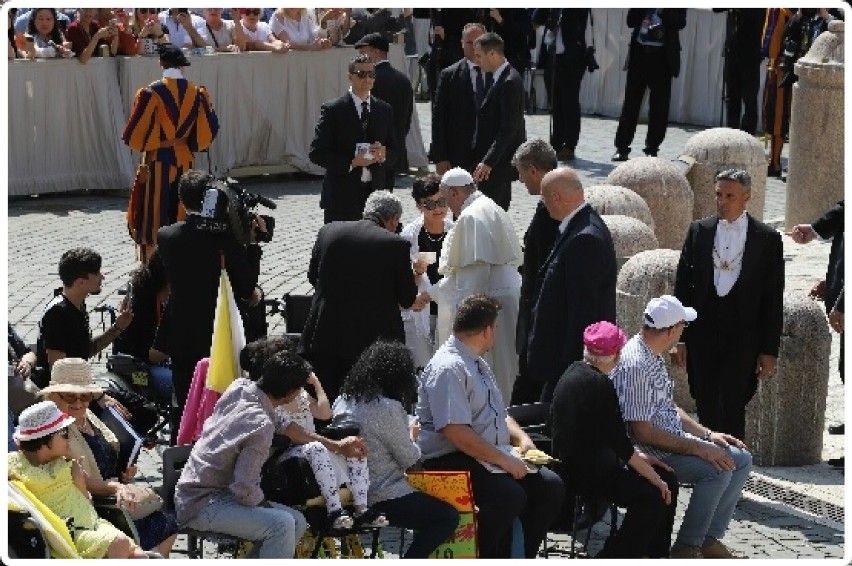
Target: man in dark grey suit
pixel 353 139
pixel 576 283
pixel 500 126
pixel 731 271
pixel 454 110
pixel 361 272
pixel 394 87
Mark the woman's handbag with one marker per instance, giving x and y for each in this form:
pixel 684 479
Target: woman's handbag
pixel 341 426
pixel 147 501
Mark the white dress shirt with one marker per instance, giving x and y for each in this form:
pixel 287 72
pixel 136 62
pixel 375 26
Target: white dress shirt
pixel 366 174
pixel 564 224
pixel 728 247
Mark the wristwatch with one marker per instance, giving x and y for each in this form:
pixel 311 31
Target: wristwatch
pixel 707 435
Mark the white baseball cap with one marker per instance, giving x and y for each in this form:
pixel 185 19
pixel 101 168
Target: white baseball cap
pixel 666 311
pixel 456 177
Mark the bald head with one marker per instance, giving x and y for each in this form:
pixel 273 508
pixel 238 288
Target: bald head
pixel 562 192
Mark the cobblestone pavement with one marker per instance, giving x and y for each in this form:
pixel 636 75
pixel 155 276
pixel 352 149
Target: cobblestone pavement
pixel 800 516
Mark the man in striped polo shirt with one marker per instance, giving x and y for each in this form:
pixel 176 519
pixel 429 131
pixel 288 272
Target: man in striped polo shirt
pixel 715 463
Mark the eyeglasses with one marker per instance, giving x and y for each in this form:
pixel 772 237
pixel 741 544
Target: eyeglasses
pixel 365 74
pixel 148 10
pixel 70 398
pixel 430 204
pixel 252 12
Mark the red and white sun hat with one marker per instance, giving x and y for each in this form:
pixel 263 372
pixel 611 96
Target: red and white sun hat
pixel 41 419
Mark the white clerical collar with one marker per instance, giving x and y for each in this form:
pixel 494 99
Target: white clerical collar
pixel 470 198
pixel 358 100
pixel 739 223
pixel 172 74
pixel 564 224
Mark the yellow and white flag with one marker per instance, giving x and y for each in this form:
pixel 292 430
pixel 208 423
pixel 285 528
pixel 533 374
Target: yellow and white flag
pixel 228 339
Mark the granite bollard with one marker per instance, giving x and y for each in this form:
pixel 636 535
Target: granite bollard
pixel 786 417
pixel 666 190
pixel 629 236
pixel 612 199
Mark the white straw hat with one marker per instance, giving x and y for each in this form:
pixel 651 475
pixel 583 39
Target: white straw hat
pixel 71 375
pixel 41 419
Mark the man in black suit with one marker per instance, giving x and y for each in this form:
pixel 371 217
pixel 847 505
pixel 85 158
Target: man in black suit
pixel 533 159
pixel 394 87
pixel 829 225
pixel 191 257
pixel 731 271
pixel 353 139
pixel 566 60
pixel 362 274
pixel 743 35
pixel 576 283
pixel 500 126
pixel 653 61
pixel 454 109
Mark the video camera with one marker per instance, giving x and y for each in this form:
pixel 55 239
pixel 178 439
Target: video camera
pixel 229 208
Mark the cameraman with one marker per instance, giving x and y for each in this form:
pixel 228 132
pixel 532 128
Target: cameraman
pixel 192 256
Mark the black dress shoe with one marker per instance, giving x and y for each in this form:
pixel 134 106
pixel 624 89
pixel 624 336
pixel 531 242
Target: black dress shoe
pixel 650 152
pixel 773 171
pixel 837 462
pixel 836 429
pixel 620 156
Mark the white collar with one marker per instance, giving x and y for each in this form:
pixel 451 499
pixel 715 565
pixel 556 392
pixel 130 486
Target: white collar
pixel 500 70
pixel 470 198
pixel 172 74
pixel 359 100
pixel 564 224
pixel 739 223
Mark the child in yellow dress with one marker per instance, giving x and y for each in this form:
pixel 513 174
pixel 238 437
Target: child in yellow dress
pixel 41 464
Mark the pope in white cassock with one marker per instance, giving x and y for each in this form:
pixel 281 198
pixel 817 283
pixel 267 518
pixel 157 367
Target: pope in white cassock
pixel 481 254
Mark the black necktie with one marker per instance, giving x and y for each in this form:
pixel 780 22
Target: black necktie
pixel 480 86
pixel 489 81
pixel 365 116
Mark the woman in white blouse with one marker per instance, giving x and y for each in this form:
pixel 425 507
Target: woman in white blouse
pixel 296 27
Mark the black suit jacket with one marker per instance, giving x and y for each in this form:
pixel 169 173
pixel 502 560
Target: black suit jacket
pixel 674 20
pixel 760 286
pixel 337 132
pixel 454 117
pixel 361 274
pixel 538 241
pixel 394 87
pixel 576 287
pixel 830 225
pixel 192 262
pixel 500 127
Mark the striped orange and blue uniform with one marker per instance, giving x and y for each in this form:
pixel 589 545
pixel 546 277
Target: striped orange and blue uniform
pixel 776 99
pixel 171 119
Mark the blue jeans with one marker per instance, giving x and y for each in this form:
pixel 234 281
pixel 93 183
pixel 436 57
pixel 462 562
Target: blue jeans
pixel 275 530
pixel 714 494
pixel 12 446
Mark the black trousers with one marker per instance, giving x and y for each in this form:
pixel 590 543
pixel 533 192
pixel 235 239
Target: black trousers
pixel 568 69
pixel 720 366
pixel 433 520
pixel 647 526
pixel 536 499
pixel 525 389
pixel 331 370
pixel 647 69
pixel 742 83
pixel 498 189
pixel 349 206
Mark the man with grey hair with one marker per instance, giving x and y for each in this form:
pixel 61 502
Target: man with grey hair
pixel 731 271
pixel 533 159
pixel 480 254
pixel 361 272
pixel 575 285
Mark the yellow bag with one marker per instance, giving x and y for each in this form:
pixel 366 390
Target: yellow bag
pixel 452 487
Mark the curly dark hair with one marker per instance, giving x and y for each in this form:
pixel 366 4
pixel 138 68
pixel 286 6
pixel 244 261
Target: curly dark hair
pixel 78 263
pixel 255 354
pixel 386 369
pixel 425 187
pixel 283 373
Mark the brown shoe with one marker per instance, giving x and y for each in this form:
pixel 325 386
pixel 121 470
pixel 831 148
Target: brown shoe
pixel 718 550
pixel 685 551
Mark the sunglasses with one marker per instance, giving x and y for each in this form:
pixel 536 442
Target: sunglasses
pixel 69 398
pixel 252 12
pixel 365 74
pixel 148 10
pixel 430 204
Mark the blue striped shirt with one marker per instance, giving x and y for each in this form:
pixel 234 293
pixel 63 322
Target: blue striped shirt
pixel 645 392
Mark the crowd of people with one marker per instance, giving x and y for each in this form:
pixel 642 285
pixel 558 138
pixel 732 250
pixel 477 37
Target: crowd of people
pixel 422 334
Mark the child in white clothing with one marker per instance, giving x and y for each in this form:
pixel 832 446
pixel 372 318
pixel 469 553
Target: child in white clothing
pixel 331 470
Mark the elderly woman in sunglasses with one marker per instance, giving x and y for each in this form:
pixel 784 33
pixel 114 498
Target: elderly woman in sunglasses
pixel 258 35
pixel 72 389
pixel 426 236
pixel 148 30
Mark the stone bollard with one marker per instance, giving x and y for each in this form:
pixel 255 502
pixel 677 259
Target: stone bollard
pixel 785 419
pixel 629 236
pixel 815 178
pixel 666 191
pixel 644 276
pixel 724 148
pixel 612 199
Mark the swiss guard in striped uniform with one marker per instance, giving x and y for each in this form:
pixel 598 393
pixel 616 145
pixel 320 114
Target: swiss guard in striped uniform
pixel 776 98
pixel 171 119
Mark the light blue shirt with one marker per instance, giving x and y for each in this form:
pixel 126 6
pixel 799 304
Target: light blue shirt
pixel 458 387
